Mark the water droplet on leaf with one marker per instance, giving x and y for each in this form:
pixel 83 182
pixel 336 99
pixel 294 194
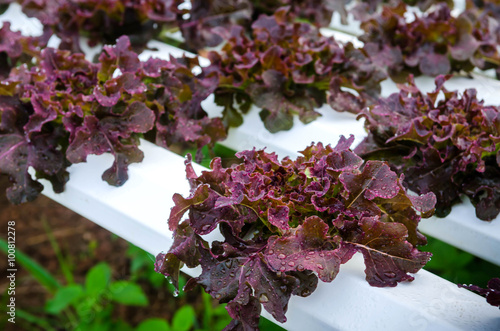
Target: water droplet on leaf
pixel 389 274
pixel 263 298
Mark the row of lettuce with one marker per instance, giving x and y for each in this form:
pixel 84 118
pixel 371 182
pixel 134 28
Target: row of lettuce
pixel 397 36
pixel 57 107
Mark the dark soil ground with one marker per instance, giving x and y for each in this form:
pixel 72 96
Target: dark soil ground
pixel 84 244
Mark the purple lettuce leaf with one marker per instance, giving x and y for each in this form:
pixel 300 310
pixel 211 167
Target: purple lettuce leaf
pixel 491 293
pixel 20 150
pixel 388 256
pixel 287 223
pixel 16 49
pixel 310 249
pixel 184 248
pixel 112 134
pixel 245 316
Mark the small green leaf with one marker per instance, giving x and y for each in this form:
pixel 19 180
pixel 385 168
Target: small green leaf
pixel 153 324
pixel 97 279
pixel 128 293
pixel 64 297
pixel 183 319
pixel 265 324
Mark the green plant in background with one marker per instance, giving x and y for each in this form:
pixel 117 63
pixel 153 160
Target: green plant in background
pixel 94 302
pixel 89 306
pixel 74 306
pixel 226 154
pixel 458 266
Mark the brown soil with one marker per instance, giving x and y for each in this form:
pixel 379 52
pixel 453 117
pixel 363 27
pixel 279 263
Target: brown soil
pixel 84 244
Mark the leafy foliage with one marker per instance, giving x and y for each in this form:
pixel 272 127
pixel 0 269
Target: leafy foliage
pixel 450 147
pixel 66 108
pixel 287 223
pixel 208 22
pixel 491 293
pixel 16 49
pixel 365 7
pixel 432 44
pixel 490 7
pixel 289 68
pixel 101 20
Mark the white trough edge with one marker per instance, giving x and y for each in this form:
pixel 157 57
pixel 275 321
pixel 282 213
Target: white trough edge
pixel 138 212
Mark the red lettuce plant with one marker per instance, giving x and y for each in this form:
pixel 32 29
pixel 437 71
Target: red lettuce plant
pixel 102 20
pixel 289 68
pixel 432 44
pixel 287 223
pixel 66 108
pixel 450 147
